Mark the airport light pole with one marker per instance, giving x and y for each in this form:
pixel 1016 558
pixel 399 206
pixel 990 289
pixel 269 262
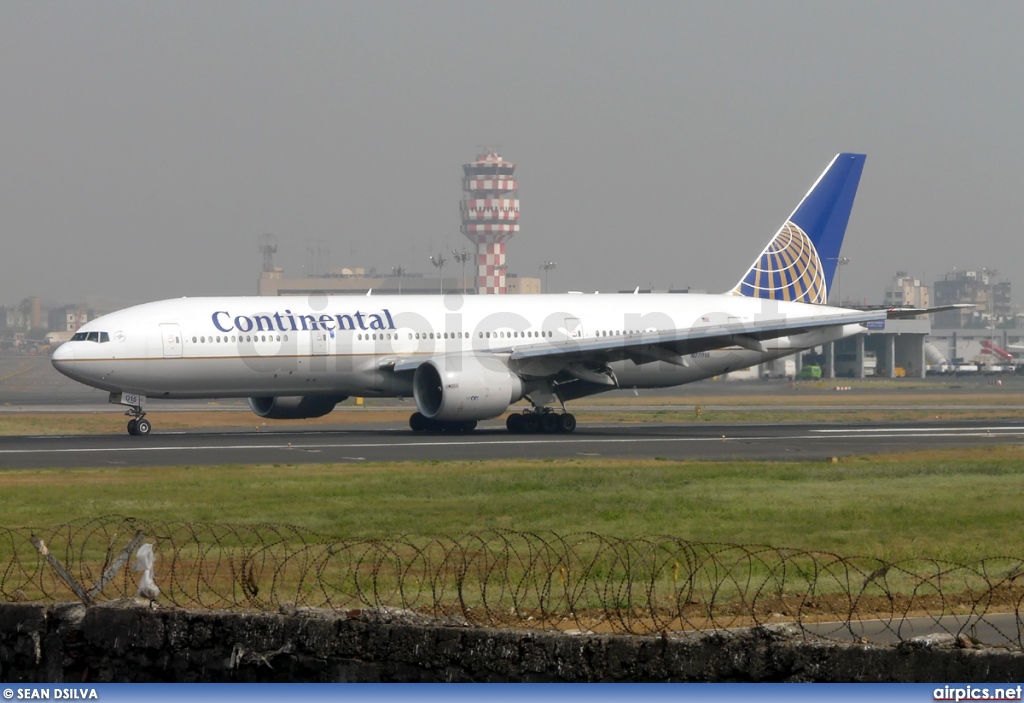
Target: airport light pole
pixel 990 279
pixel 547 266
pixel 841 261
pixel 398 272
pixel 439 261
pixel 462 257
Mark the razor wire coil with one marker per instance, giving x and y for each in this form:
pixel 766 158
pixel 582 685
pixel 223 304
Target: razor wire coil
pixel 538 580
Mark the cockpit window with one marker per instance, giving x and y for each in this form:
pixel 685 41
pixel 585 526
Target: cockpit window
pixel 90 337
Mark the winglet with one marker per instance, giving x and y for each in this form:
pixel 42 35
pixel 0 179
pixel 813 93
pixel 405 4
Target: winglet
pixel 800 261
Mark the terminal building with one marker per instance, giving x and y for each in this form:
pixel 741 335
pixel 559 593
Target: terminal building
pixel 973 339
pixel 489 217
pixel 360 282
pixel 889 349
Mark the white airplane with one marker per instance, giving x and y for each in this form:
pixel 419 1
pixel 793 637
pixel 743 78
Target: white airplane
pixel 469 358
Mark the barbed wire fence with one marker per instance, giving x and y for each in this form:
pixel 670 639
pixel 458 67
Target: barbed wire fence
pixel 498 578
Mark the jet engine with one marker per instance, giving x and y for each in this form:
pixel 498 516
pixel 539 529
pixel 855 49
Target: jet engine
pixel 465 388
pixel 294 407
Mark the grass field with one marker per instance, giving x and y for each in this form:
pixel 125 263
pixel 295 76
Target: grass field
pixel 806 402
pixel 957 504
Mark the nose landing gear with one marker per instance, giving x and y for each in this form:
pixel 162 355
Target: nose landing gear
pixel 138 424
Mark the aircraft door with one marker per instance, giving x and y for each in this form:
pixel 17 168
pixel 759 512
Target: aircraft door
pixel 573 328
pixel 170 335
pixel 320 338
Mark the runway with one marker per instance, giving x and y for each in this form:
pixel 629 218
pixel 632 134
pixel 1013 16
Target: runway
pixel 30 384
pixel 386 443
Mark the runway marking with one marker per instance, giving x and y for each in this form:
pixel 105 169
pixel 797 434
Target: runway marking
pixel 16 373
pixel 489 443
pixel 867 430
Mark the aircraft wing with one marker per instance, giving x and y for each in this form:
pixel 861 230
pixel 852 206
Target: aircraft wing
pixel 900 313
pixel 669 345
pixel 663 345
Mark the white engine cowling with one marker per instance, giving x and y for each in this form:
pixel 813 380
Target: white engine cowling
pixel 465 388
pixel 294 407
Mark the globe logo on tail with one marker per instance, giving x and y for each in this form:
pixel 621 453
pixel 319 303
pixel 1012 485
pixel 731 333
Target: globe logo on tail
pixel 788 269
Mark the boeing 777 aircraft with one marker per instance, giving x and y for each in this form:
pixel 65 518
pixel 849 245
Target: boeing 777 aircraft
pixel 465 359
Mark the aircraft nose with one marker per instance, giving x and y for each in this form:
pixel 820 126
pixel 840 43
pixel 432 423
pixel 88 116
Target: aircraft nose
pixel 61 355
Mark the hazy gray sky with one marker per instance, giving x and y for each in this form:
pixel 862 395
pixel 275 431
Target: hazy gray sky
pixel 146 146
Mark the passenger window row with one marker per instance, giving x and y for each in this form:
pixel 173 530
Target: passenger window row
pixel 454 335
pixel 517 335
pixel 221 339
pixel 241 338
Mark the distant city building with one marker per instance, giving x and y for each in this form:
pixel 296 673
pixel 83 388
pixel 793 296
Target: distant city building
pixel 978 288
pixel 28 314
pixel 906 292
pixel 69 318
pixel 11 318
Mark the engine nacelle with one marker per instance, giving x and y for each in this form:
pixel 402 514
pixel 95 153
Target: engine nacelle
pixel 465 388
pixel 294 407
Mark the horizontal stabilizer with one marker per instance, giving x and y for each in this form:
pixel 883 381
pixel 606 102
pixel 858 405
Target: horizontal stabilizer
pixel 901 313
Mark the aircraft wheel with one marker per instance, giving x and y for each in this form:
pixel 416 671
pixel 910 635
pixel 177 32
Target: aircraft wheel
pixel 567 423
pixel 514 423
pixel 418 423
pixel 143 427
pixel 549 423
pixel 531 423
pixel 467 425
pixel 133 427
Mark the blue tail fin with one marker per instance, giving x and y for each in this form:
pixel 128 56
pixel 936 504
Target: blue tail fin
pixel 799 262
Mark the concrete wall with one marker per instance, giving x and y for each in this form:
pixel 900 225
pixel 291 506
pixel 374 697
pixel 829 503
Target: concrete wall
pixel 120 642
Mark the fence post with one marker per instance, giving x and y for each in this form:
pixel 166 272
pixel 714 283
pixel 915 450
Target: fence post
pixel 61 571
pixel 116 565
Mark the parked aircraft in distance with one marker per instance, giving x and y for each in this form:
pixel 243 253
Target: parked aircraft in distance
pixel 469 358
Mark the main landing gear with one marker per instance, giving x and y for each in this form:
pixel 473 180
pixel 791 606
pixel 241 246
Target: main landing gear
pixel 419 423
pixel 546 421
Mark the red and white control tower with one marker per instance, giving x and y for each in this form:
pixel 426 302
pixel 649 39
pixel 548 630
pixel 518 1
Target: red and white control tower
pixel 490 216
